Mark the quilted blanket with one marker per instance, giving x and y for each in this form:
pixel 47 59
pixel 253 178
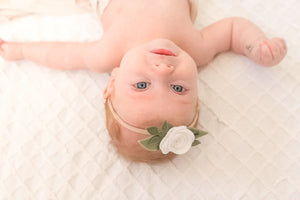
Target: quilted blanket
pixel 54 145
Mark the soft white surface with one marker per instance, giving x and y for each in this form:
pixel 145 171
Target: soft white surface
pixel 53 143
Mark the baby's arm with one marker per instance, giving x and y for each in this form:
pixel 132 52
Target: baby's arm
pixel 243 37
pixel 60 55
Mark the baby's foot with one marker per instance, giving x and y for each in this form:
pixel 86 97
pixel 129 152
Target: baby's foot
pixel 10 51
pixel 268 52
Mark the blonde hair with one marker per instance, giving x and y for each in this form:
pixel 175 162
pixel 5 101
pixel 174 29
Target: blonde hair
pixel 132 151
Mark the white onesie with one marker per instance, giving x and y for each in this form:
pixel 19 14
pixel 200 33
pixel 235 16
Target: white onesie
pixel 11 9
pixel 99 5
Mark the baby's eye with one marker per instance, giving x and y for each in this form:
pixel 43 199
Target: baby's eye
pixel 141 85
pixel 177 88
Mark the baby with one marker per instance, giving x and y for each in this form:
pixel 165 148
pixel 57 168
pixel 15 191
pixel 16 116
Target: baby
pixel 152 50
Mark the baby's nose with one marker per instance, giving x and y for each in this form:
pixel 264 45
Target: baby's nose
pixel 163 68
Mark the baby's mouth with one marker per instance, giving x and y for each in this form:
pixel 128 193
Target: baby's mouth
pixel 163 52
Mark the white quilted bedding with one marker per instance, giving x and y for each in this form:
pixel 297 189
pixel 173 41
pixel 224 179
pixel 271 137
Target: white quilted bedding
pixel 53 142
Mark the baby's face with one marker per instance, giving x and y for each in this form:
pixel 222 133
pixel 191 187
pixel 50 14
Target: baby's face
pixel 155 82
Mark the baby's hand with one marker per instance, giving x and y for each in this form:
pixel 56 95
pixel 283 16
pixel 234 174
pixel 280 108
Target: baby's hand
pixel 10 50
pixel 268 52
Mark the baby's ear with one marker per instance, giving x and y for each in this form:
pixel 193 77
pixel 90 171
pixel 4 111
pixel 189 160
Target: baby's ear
pixel 111 84
pixel 115 72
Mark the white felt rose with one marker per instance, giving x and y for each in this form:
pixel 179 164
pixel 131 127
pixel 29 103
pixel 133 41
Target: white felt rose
pixel 178 140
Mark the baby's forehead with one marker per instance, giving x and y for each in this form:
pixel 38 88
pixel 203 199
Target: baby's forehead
pixel 145 117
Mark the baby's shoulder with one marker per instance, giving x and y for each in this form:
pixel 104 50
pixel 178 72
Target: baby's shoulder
pixel 195 45
pixel 110 51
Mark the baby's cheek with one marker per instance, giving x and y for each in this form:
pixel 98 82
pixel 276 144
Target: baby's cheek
pixel 131 138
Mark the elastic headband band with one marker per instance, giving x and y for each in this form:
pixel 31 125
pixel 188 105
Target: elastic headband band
pixel 140 130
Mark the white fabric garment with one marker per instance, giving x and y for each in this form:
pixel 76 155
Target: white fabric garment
pixel 10 9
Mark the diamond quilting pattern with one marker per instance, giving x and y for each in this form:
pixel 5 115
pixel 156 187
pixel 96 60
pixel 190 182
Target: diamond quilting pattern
pixel 53 142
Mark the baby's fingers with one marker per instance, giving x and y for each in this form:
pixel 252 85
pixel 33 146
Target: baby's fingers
pixel 282 45
pixel 273 47
pixel 10 51
pixel 272 51
pixel 1 42
pixel 1 49
pixel 266 55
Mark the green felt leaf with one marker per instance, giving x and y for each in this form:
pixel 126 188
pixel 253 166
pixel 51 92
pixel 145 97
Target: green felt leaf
pixel 153 130
pixel 155 140
pixel 198 133
pixel 166 127
pixel 196 142
pixel 151 144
